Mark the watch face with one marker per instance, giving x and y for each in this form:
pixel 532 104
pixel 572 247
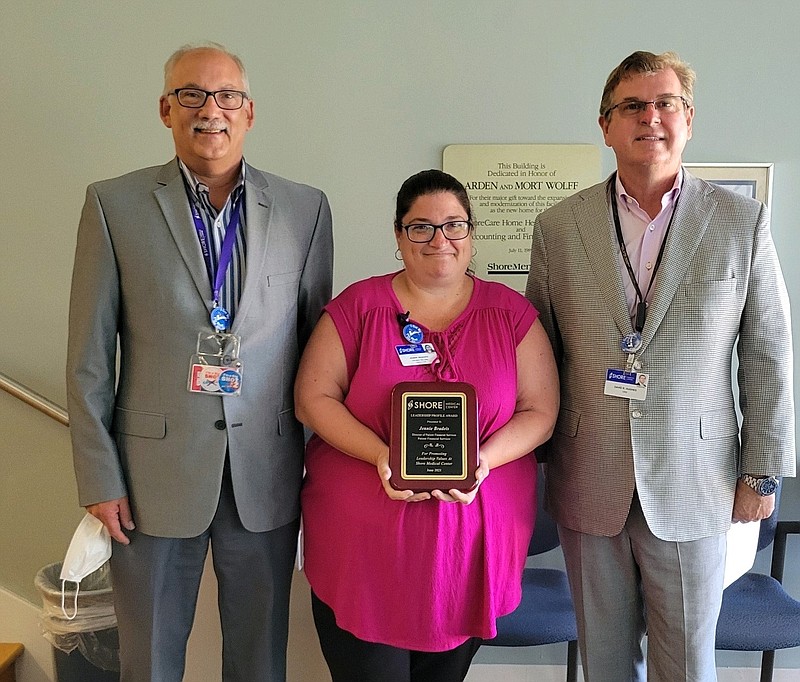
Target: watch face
pixel 767 486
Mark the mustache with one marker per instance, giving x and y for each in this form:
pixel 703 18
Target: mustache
pixel 213 124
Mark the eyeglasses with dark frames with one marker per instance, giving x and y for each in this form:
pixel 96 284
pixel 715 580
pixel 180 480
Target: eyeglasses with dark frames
pixel 195 98
pixel 453 230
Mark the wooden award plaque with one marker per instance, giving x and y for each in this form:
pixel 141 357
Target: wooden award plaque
pixel 434 436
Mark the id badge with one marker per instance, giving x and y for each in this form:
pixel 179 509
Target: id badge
pixel 215 368
pixel 622 384
pixel 414 354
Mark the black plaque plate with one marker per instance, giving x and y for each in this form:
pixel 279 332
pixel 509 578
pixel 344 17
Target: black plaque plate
pixel 434 436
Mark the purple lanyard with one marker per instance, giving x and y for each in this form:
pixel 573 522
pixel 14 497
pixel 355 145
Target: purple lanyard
pixel 226 252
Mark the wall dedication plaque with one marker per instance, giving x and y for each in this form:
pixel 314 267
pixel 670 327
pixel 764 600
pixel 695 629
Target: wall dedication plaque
pixel 434 436
pixel 509 185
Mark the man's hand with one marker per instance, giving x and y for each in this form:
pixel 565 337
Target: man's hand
pixel 115 515
pixel 748 505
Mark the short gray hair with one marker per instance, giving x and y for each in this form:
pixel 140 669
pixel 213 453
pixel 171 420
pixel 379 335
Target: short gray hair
pixel 176 56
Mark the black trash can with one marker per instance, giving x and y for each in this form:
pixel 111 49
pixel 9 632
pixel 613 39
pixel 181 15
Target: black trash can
pixel 85 638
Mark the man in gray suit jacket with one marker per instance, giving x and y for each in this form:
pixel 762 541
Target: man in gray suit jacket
pixel 646 283
pixel 193 440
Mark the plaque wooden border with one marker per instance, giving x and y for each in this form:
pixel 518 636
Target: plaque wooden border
pixel 401 442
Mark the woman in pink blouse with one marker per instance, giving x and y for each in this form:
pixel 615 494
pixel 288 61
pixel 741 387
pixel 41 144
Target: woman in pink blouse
pixel 406 585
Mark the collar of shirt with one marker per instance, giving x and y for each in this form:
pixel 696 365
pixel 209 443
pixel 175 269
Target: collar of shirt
pixel 199 190
pixel 643 237
pixel 628 204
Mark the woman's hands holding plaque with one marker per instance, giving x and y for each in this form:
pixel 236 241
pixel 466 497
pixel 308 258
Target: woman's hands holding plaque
pixel 385 473
pixel 465 497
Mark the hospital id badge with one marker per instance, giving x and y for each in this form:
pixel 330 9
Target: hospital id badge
pixel 215 368
pixel 414 354
pixel 622 384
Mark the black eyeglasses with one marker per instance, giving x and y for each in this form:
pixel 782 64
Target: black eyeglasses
pixel 194 98
pixel 667 105
pixel 425 232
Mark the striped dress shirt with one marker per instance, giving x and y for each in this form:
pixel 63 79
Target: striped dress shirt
pixel 216 223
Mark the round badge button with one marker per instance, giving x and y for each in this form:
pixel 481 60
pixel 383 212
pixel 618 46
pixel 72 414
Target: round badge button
pixel 631 343
pixel 229 381
pixel 412 333
pixel 220 319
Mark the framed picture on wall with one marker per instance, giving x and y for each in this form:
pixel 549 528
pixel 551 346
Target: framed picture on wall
pixel 753 180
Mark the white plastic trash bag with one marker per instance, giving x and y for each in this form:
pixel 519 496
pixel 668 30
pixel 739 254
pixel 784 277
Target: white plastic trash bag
pixel 87 631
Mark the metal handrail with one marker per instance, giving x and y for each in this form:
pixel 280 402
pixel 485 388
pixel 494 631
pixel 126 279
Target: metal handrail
pixel 32 398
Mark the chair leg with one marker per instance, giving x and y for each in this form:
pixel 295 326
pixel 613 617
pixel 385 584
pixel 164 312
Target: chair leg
pixel 767 665
pixel 572 661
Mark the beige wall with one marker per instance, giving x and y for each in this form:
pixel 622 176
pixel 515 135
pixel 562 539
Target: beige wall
pixel 38 501
pixel 352 97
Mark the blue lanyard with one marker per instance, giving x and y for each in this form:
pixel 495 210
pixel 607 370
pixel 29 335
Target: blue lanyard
pixel 226 252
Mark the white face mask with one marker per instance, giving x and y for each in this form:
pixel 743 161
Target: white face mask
pixel 88 550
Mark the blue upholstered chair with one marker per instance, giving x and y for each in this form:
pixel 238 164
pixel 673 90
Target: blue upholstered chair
pixel 545 614
pixel 757 613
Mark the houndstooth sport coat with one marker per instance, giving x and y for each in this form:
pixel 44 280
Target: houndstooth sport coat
pixel 682 447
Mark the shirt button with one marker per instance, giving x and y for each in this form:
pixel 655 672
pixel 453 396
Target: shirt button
pixel 636 414
pixel 219 424
pixel 648 265
pixel 652 227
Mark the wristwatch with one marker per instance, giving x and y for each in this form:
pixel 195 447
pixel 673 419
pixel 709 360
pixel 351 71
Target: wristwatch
pixel 766 485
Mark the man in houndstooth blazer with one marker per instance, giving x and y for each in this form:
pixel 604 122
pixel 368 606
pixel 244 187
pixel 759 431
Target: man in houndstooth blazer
pixel 644 482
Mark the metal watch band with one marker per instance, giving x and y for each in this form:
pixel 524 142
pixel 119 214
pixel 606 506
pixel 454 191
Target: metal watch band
pixel 759 483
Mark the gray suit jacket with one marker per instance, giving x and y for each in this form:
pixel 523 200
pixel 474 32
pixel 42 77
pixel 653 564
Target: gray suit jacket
pixel 719 283
pixel 140 279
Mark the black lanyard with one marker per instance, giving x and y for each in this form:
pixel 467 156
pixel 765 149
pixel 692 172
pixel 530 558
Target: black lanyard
pixel 641 306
